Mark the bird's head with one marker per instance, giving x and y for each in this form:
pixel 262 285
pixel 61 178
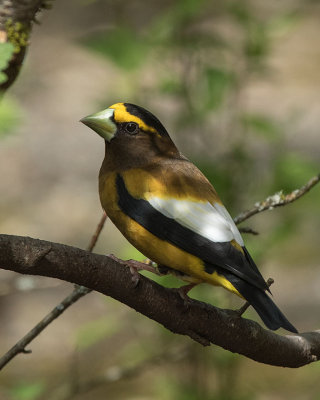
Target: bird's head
pixel 128 128
pixel 122 119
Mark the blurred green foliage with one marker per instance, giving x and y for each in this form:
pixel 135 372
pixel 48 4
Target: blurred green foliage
pixel 262 125
pixel 10 116
pixel 27 390
pixel 292 170
pixel 10 113
pixel 124 47
pixel 96 330
pixel 6 52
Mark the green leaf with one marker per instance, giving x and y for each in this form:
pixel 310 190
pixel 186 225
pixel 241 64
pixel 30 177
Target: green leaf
pixel 6 51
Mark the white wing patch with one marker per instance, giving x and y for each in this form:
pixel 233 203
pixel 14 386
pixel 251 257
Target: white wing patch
pixel 211 222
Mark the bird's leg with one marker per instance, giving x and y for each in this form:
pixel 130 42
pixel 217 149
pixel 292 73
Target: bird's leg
pixel 246 305
pixel 135 266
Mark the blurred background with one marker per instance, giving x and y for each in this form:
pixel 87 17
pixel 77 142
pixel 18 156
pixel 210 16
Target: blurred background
pixel 237 85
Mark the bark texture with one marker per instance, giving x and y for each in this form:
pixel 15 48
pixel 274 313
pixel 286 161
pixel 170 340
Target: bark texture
pixel 203 323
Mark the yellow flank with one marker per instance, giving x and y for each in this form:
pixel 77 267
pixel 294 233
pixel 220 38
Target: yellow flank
pixel 145 184
pixel 158 250
pixel 122 115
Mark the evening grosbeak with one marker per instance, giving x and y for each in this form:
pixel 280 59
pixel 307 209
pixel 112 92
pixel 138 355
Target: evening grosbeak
pixel 170 212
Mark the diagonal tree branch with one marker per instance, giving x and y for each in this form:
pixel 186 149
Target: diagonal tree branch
pixel 201 322
pixel 81 291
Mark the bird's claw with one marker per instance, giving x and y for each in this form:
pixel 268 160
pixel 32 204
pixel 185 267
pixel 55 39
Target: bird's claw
pixel 135 266
pixel 135 276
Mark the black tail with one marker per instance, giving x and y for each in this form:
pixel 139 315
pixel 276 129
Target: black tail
pixel 262 303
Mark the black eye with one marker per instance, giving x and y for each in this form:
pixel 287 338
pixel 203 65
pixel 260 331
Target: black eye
pixel 132 128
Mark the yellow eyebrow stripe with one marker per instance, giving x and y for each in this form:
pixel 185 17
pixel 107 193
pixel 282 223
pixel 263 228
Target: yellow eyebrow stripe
pixel 122 115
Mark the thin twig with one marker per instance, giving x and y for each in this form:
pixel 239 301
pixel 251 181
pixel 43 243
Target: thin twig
pixel 277 200
pixel 246 229
pixel 19 347
pixel 95 236
pixel 78 292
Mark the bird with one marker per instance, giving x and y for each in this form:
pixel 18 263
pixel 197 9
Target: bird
pixel 167 209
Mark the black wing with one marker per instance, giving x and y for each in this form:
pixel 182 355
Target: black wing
pixel 217 256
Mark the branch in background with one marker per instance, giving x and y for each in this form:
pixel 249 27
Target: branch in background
pixel 16 18
pixel 277 200
pixel 117 373
pixel 246 229
pixel 97 232
pixel 20 346
pixel 203 323
pixel 24 283
pixel 78 292
pixel 74 296
pixel 69 390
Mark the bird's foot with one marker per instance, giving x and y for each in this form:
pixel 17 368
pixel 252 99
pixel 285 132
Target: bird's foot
pixel 135 276
pixel 135 266
pixel 141 266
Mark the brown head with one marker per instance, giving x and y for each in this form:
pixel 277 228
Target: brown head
pixel 134 137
